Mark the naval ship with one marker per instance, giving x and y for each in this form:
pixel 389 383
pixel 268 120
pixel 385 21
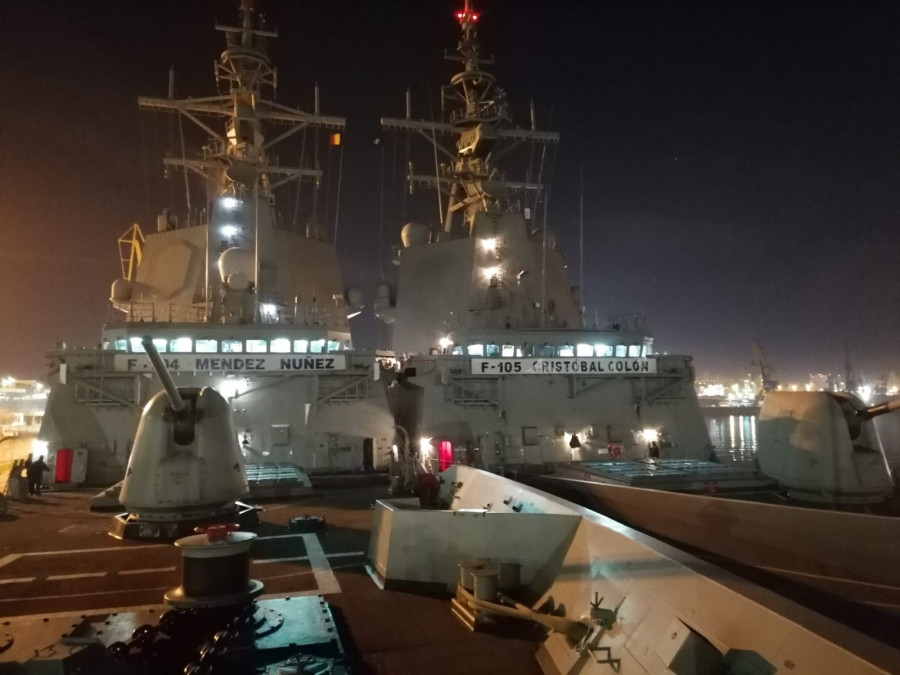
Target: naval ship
pixel 233 295
pixel 498 367
pixel 515 580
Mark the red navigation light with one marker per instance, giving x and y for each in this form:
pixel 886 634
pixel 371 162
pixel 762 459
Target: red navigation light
pixel 460 16
pixel 474 17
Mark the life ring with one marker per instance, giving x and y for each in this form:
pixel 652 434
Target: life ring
pixel 615 451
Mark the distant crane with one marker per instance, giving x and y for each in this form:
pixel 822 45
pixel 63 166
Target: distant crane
pixel 767 382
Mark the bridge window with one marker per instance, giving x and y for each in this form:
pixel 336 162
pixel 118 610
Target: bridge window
pixel 232 346
pixel 136 345
pixel 280 346
pixel 256 346
pixel 334 345
pixel 181 345
pixel 476 349
pixel 161 345
pixel 508 351
pixel 583 349
pixel 457 350
pixel 301 346
pixel 317 346
pixel 621 350
pixel 603 350
pixel 634 350
pixel 492 350
pixel 567 350
pixel 546 351
pixel 206 346
pixel 121 344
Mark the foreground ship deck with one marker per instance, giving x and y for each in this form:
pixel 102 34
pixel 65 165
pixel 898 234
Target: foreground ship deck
pixel 57 564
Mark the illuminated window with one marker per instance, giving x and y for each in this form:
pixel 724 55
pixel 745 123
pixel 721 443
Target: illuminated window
pixel 518 352
pixel 634 350
pixel 136 345
pixel 334 345
pixel 492 350
pixel 546 351
pixel 583 349
pixel 121 344
pixel 256 346
pixel 567 350
pixel 161 344
pixel 181 345
pixel 206 346
pixel 280 346
pixel 457 350
pixel 603 350
pixel 232 346
pixel 317 346
pixel 621 350
pixel 301 346
pixel 475 350
pixel 508 350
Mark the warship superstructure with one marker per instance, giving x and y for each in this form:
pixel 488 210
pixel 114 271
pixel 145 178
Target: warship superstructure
pixel 500 367
pixel 233 296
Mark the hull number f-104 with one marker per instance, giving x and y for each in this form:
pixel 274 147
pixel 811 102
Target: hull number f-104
pixel 565 366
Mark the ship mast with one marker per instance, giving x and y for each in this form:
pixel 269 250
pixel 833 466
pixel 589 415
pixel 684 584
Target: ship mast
pixel 236 160
pixel 481 124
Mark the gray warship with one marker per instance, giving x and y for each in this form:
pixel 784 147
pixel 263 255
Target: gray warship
pixel 334 581
pixel 234 296
pixel 499 367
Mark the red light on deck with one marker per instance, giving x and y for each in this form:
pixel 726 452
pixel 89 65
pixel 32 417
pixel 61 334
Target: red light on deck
pixel 475 17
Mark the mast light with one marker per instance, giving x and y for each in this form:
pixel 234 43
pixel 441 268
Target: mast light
pixel 467 16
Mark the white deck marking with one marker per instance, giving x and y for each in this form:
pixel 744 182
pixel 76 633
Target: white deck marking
pixel 20 580
pixel 12 557
pixel 325 578
pixel 149 570
pixel 348 554
pixel 83 575
pixel 120 591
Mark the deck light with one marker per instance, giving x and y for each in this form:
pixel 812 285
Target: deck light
pixel 229 203
pixel 229 230
pixel 489 244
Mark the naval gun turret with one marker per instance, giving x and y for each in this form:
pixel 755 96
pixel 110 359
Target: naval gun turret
pixel 186 466
pixel 823 447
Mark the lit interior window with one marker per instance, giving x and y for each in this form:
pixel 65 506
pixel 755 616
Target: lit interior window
pixel 583 349
pixel 301 346
pixel 280 346
pixel 519 352
pixel 475 350
pixel 621 350
pixel 256 346
pixel 317 346
pixel 180 345
pixel 492 350
pixel 122 344
pixel 334 346
pixel 603 350
pixel 546 351
pixel 206 346
pixel 457 350
pixel 161 344
pixel 136 345
pixel 508 350
pixel 634 350
pixel 567 350
pixel 232 346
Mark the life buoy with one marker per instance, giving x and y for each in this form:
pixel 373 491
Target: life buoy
pixel 615 451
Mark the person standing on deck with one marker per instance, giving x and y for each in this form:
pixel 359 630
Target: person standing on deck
pixel 35 473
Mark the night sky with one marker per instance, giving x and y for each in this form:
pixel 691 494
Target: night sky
pixel 741 160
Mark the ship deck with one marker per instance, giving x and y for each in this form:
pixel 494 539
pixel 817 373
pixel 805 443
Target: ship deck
pixel 56 562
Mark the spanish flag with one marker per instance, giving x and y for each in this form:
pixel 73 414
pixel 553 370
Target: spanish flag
pixel 335 139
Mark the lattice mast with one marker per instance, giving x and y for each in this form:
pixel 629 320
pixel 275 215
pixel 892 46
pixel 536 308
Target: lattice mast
pixel 481 123
pixel 236 160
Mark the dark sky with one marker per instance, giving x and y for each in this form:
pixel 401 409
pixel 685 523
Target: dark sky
pixel 740 159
